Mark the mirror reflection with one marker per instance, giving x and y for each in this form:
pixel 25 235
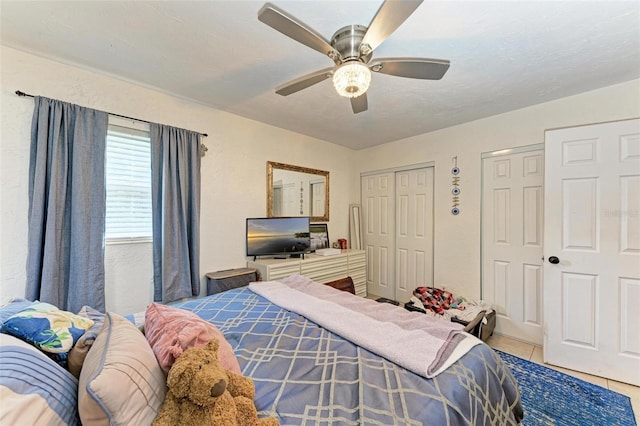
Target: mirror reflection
pixel 297 191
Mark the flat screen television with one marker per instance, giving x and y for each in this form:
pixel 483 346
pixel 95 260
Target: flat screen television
pixel 278 236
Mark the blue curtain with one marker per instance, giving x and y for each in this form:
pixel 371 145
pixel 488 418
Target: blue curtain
pixel 175 185
pixel 65 262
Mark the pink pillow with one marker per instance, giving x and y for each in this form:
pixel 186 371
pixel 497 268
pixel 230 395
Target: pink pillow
pixel 170 331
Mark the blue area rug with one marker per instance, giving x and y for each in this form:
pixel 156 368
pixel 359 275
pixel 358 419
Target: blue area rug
pixel 553 398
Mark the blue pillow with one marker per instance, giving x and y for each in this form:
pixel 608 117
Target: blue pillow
pixel 48 328
pixel 78 353
pixel 98 321
pixel 13 307
pixel 35 390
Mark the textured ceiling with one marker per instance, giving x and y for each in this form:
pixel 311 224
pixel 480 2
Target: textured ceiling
pixel 504 55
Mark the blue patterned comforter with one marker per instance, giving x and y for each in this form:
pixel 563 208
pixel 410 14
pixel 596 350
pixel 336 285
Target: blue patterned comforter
pixel 306 375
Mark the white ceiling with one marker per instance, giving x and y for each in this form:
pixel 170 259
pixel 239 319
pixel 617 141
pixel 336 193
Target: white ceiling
pixel 504 55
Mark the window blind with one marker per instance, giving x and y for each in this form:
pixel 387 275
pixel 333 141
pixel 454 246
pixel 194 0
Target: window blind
pixel 128 182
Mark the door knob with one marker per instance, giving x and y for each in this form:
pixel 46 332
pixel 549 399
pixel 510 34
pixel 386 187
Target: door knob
pixel 554 260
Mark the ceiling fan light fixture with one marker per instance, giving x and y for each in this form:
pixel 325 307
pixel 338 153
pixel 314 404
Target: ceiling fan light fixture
pixel 351 79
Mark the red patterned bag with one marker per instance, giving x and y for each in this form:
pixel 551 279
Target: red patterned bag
pixel 435 299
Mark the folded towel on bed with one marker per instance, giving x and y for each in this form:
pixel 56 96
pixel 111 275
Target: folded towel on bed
pixel 418 343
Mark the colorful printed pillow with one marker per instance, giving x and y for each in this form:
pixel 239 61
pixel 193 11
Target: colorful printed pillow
pixel 121 382
pixel 34 390
pixel 171 331
pixel 13 307
pixel 48 328
pixel 79 351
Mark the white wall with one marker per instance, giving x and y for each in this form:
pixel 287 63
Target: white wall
pixel 457 238
pixel 233 171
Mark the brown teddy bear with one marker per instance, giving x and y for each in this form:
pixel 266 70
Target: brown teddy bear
pixel 202 392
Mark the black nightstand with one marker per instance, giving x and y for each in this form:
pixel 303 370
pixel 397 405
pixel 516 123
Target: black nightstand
pixel 231 278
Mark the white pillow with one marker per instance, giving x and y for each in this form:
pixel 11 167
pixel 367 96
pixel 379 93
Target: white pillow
pixel 121 381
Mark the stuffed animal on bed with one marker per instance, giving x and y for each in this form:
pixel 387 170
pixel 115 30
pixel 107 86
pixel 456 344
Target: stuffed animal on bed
pixel 202 392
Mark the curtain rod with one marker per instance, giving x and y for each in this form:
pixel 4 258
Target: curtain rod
pixel 21 93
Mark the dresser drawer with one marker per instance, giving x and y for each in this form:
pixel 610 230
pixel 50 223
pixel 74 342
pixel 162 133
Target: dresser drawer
pixel 325 269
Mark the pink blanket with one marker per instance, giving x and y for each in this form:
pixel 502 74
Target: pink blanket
pixel 424 345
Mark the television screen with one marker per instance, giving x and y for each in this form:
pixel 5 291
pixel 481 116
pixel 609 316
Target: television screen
pixel 277 236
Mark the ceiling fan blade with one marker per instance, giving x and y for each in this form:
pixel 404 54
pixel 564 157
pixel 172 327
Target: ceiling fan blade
pixel 389 17
pixel 288 25
pixel 303 82
pixel 424 68
pixel 359 104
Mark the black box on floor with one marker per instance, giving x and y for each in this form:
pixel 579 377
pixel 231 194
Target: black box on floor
pixel 479 328
pixel 231 278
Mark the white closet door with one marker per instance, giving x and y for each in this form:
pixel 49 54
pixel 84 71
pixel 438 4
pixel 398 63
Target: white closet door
pixel 592 227
pixel 290 200
pixel 414 231
pixel 377 193
pixel 512 230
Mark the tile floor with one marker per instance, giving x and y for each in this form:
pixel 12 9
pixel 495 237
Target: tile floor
pixel 533 353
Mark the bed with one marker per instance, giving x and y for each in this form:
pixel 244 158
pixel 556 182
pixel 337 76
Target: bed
pixel 317 356
pixel 307 375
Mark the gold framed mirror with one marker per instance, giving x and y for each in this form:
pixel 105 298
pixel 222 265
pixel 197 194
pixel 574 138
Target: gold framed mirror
pixel 297 191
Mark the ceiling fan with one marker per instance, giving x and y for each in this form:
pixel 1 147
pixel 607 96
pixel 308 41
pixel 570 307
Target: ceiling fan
pixel 351 49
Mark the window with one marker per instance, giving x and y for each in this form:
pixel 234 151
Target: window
pixel 128 181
